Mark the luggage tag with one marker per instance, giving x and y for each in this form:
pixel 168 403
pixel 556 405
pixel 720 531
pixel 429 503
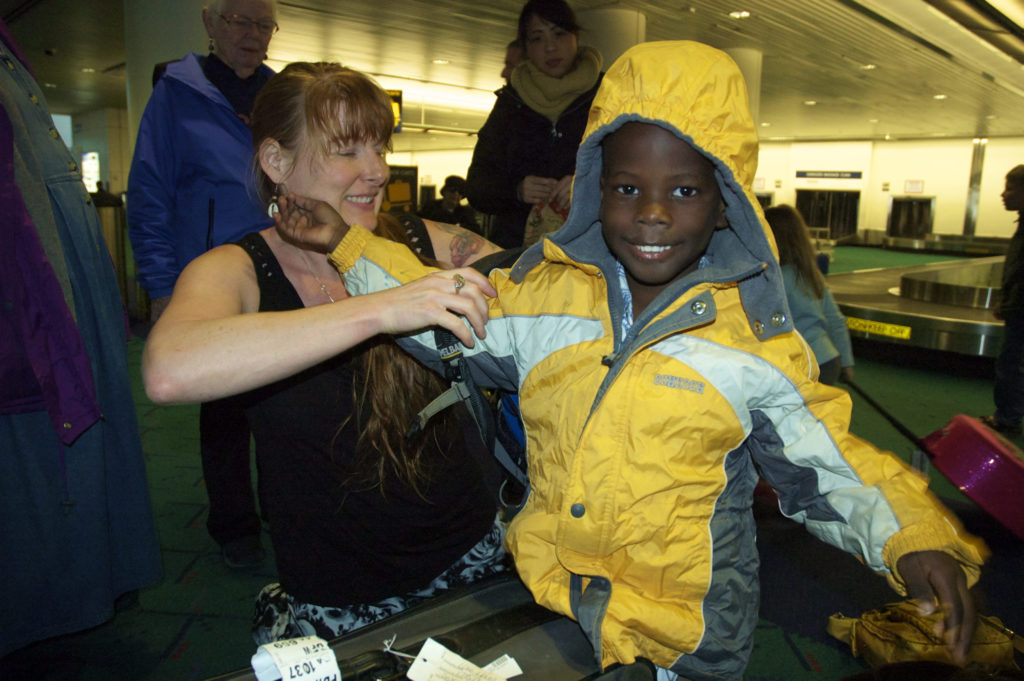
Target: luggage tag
pixel 308 658
pixel 436 663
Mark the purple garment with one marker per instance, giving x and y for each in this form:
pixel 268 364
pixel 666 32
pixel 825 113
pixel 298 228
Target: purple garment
pixel 43 361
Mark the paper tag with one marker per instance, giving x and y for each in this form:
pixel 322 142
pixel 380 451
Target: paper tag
pixel 436 663
pixel 505 666
pixel 308 658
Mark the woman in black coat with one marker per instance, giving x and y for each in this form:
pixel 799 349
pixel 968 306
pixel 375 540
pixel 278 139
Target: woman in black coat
pixel 525 154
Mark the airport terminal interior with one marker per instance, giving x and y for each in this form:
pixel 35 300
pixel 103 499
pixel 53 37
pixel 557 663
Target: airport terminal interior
pixel 903 204
pixel 194 624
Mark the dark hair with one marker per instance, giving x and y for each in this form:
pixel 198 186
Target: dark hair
pixel 794 243
pixel 1016 176
pixel 319 106
pixel 454 182
pixel 557 12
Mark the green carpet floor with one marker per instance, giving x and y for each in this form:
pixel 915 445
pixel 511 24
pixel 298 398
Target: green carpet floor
pixel 194 623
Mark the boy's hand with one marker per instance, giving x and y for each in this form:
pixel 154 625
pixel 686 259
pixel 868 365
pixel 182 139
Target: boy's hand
pixel 309 223
pixel 935 580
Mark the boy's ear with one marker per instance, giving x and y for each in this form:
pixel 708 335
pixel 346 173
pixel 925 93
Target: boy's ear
pixel 723 221
pixel 275 161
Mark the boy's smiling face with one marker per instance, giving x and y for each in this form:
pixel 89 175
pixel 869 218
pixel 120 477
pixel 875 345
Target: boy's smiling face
pixel 660 204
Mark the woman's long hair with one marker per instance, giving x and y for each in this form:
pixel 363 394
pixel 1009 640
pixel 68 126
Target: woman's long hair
pixel 317 107
pixel 794 242
pixel 395 387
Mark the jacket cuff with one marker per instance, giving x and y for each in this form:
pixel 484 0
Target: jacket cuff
pixel 345 254
pixel 939 535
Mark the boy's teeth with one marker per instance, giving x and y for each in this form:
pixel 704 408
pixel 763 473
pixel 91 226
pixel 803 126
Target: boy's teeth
pixel 652 249
pixel 361 199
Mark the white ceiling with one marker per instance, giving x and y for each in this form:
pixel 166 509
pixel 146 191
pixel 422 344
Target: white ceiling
pixel 972 51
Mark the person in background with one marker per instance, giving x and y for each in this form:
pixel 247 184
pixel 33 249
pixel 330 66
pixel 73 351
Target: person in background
pixel 1009 383
pixel 815 313
pixel 658 375
pixel 77 536
pixel 525 153
pixel 363 522
pixel 103 198
pixel 449 208
pixel 189 190
pixel 514 56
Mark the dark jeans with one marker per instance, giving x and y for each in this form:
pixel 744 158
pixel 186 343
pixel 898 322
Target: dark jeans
pixel 1009 386
pixel 224 446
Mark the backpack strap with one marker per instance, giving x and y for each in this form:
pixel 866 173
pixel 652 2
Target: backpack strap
pixel 464 389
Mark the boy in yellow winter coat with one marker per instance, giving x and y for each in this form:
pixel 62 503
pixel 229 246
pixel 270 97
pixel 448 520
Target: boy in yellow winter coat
pixel 659 374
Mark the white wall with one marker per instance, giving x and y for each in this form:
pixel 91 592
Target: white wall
pixel 939 168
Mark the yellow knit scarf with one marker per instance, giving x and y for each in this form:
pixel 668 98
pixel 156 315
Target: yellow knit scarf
pixel 550 96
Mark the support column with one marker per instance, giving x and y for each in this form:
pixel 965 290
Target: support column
pixel 974 186
pixel 749 61
pixel 156 32
pixel 612 31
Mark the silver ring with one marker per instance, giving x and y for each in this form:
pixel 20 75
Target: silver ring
pixel 460 281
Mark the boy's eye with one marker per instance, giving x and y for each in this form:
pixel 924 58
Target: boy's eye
pixel 625 189
pixel 686 192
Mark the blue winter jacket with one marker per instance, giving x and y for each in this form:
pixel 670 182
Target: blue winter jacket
pixel 190 186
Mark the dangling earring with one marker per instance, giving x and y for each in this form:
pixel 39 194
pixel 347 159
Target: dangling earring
pixel 211 45
pixel 273 209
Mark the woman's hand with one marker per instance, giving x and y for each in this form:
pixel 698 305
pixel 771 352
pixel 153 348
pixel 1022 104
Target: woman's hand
pixel 309 223
pixel 438 299
pixel 534 190
pixel 935 580
pixel 562 192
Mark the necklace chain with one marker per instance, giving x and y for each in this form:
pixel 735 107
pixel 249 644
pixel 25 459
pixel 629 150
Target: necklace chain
pixel 323 286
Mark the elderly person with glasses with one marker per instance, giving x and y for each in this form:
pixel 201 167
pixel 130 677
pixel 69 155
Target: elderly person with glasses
pixel 189 190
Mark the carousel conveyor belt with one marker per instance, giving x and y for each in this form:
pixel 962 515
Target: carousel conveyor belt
pixel 943 306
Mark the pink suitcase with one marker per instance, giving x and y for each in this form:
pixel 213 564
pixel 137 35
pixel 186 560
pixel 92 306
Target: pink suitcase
pixel 988 468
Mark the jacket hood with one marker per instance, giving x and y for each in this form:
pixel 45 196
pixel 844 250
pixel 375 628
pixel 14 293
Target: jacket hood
pixel 698 93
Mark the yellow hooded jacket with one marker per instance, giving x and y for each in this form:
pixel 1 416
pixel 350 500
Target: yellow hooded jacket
pixel 642 442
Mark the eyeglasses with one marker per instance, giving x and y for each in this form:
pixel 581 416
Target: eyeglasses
pixel 243 24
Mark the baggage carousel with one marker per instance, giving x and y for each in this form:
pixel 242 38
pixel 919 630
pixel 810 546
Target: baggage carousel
pixel 944 306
